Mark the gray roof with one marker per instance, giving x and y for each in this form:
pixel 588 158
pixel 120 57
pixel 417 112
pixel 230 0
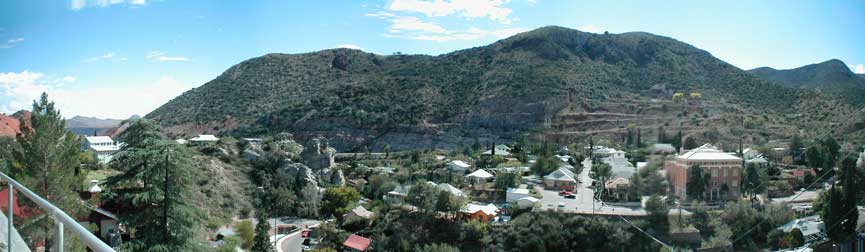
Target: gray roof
pixel 621 167
pixel 562 175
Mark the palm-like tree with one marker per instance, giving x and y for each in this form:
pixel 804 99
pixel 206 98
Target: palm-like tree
pixel 602 172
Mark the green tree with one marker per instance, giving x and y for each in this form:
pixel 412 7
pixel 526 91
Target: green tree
pixel 473 231
pixel 506 179
pixel 443 201
pixel 311 201
pixel 690 143
pixel 339 200
pixel 700 218
pixel 657 211
pixel 546 162
pixel 47 161
pixel 262 235
pixel 753 182
pixel 697 182
pixel 246 233
pixel 601 172
pixel 851 189
pixel 796 150
pixel 438 247
pixel 423 196
pixel 157 182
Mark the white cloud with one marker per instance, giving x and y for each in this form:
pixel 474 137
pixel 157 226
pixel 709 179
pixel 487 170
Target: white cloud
pixel 106 56
pixel 11 42
pixel 18 90
pixel 409 27
pixel 491 9
pixel 859 69
pixel 401 24
pixel 470 34
pixel 160 56
pixel 350 46
pixel 590 28
pixel 532 2
pixel 81 4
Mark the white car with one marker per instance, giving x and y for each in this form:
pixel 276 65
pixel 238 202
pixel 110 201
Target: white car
pixel 561 204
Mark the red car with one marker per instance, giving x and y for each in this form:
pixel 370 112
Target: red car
pixel 562 193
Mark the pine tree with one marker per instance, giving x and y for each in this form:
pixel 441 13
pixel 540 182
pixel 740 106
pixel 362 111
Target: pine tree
pixel 850 213
pixel 662 135
pixel 157 180
pixel 262 235
pixel 48 163
pixel 639 139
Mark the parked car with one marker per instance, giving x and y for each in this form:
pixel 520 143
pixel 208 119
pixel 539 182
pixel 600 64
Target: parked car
pixel 570 196
pixel 563 192
pixel 561 204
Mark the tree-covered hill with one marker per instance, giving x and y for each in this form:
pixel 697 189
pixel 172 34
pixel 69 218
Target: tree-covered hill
pixel 521 84
pixel 833 77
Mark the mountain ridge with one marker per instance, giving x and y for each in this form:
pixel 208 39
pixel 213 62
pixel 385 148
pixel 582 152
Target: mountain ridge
pixel 832 76
pixel 532 82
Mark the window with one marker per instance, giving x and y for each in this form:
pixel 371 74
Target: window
pixel 735 183
pixel 725 171
pixel 714 172
pixel 735 172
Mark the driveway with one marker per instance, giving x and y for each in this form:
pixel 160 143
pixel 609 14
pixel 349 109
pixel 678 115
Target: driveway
pixel 585 202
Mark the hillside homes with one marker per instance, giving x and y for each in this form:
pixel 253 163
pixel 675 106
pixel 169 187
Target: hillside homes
pixel 723 168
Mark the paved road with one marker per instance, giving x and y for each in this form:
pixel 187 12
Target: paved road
pixel 585 198
pixel 290 243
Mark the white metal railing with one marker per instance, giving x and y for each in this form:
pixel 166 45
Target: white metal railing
pixel 61 220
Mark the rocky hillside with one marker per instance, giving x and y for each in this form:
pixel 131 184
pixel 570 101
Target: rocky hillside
pixel 833 77
pixel 554 81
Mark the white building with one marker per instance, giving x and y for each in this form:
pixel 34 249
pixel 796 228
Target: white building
pixel 451 189
pixel 458 166
pixel 479 179
pixel 515 194
pixel 103 147
pixel 204 139
pixel 602 151
pixel 749 153
pixel 527 202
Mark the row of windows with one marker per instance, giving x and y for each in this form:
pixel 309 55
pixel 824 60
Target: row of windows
pixel 735 172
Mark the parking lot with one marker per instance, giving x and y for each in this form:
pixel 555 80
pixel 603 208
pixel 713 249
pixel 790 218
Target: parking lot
pixel 584 202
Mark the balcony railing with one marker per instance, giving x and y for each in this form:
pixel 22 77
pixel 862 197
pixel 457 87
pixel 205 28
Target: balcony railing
pixel 61 221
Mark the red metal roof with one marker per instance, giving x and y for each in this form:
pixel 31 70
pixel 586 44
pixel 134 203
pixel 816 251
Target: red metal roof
pixel 357 242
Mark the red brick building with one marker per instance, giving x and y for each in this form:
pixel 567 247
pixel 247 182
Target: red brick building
pixel 724 169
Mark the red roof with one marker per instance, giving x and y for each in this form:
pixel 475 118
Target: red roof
pixel 357 242
pixel 801 172
pixel 19 211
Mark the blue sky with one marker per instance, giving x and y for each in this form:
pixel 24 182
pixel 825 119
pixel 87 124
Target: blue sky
pixel 115 58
